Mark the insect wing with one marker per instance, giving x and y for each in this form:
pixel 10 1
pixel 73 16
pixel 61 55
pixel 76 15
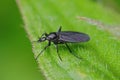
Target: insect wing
pixel 70 36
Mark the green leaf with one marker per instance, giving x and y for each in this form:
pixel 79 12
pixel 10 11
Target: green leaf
pixel 100 56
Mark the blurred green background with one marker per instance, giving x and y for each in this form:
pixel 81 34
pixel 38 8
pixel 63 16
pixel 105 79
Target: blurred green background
pixel 16 57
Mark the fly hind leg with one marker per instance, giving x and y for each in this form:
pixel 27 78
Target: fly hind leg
pixel 71 51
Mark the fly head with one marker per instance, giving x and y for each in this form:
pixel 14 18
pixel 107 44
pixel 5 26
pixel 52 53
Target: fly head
pixel 42 39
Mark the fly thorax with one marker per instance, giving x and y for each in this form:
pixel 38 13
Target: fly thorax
pixel 51 37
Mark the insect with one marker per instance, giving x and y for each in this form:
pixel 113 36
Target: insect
pixel 62 37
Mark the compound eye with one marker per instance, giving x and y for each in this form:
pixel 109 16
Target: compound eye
pixel 43 39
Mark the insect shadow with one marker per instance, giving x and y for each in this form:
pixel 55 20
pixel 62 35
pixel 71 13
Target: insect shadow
pixel 62 37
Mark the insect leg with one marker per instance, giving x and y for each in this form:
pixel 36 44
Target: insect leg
pixel 44 34
pixel 71 51
pixel 49 43
pixel 56 45
pixel 59 30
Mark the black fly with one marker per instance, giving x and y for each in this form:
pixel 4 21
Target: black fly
pixel 63 37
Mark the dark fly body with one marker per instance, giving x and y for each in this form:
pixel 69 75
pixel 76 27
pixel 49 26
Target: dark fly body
pixel 63 37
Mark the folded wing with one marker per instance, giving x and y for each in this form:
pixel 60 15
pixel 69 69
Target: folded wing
pixel 70 36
